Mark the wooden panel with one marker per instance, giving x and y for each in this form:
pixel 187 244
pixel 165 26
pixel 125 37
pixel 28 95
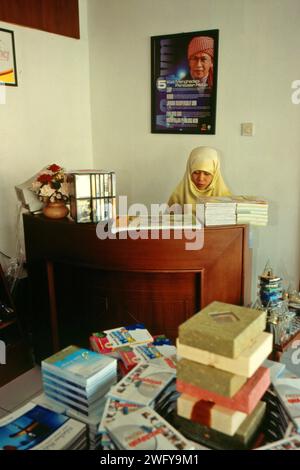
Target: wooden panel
pixel 159 300
pixel 54 16
pixel 91 300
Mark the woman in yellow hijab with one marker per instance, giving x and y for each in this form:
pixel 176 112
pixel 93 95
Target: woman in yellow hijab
pixel 202 178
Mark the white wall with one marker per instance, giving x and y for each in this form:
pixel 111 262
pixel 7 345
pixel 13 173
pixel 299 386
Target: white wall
pixel 258 60
pixel 46 119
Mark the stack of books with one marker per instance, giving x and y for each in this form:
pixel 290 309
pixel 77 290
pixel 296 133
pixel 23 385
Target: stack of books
pixel 78 378
pixel 115 408
pixel 216 211
pixel 92 422
pixel 251 210
pixel 36 427
pixel 231 210
pixel 145 385
pixel 220 376
pixel 110 341
pixel 113 411
pixel 151 383
pixel 133 344
pixel 289 443
pixel 159 352
pixel 287 388
pixel 279 424
pixel 144 429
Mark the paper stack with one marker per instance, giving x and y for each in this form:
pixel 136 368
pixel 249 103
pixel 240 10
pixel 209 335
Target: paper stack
pixel 144 384
pixel 216 211
pixel 251 210
pixel 144 429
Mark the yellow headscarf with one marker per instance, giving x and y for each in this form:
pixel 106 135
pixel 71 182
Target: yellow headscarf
pixel 201 159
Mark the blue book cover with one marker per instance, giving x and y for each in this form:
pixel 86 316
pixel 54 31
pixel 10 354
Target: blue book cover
pixel 30 428
pixel 83 365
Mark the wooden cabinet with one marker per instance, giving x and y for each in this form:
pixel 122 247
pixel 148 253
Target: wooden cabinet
pixel 15 357
pixel 80 284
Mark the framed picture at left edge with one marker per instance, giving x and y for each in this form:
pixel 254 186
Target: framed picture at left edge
pixel 8 68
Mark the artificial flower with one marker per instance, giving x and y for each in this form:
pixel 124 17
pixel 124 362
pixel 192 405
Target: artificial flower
pixel 51 183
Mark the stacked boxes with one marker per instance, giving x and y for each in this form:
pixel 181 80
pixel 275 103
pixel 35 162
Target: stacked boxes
pixel 219 375
pixel 251 210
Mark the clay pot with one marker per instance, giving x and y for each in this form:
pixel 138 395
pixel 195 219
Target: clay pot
pixel 55 210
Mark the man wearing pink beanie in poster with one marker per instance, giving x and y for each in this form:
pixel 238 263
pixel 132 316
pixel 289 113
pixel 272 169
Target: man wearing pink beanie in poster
pixel 200 57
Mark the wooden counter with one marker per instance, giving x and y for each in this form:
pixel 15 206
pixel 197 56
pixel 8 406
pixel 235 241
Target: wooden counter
pixel 80 284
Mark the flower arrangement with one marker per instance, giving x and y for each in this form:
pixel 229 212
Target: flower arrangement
pixel 51 184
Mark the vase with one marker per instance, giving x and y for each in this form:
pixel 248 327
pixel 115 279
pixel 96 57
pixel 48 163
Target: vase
pixel 55 210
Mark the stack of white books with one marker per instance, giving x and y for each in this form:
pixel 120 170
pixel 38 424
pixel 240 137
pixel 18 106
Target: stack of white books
pixel 144 384
pixel 251 210
pixel 287 388
pixel 144 429
pixel 36 427
pixel 216 211
pixel 114 409
pixel 78 378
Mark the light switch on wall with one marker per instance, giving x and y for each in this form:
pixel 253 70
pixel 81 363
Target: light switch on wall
pixel 247 129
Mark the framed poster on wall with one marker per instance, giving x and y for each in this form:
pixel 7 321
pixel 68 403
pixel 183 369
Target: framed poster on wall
pixel 8 69
pixel 184 71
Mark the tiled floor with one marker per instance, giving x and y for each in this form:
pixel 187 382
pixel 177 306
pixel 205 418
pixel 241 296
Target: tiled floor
pixel 20 391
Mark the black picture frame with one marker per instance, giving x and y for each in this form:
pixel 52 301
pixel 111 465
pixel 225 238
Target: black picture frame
pixel 8 67
pixel 184 73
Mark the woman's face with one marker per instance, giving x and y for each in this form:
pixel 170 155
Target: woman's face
pixel 201 179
